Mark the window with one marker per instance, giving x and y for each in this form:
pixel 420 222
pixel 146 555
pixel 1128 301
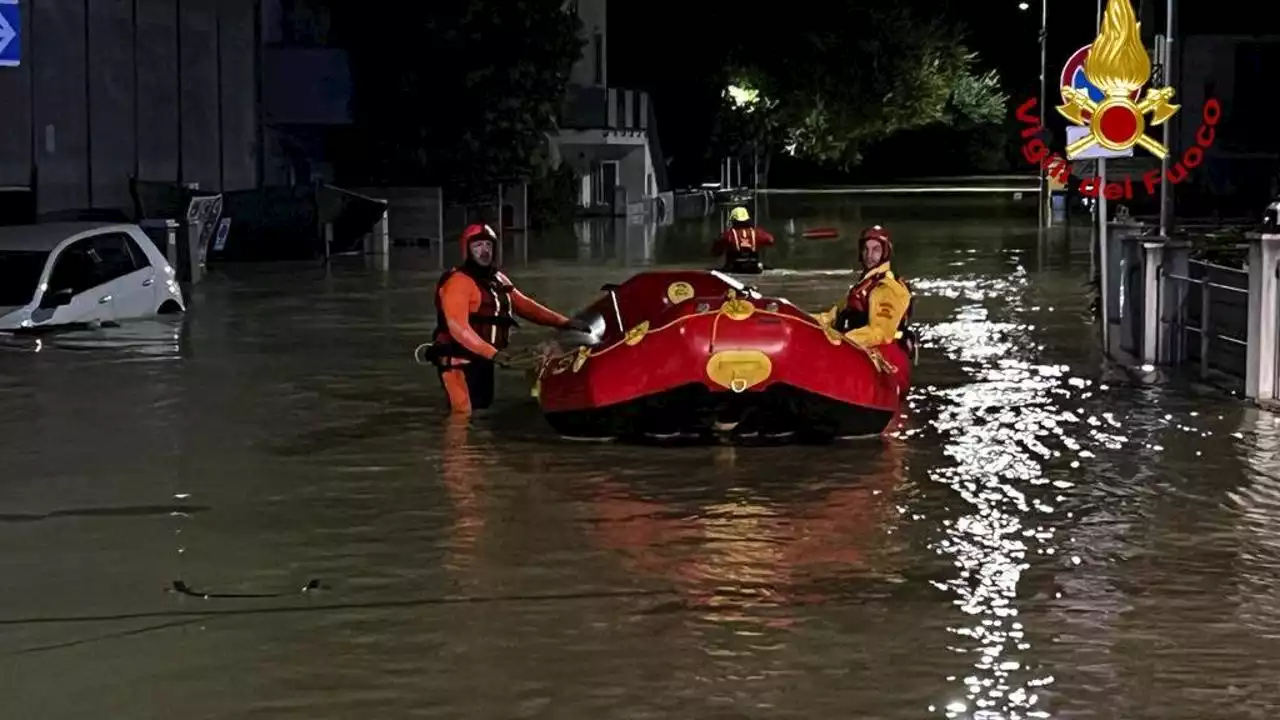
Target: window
pixel 20 275
pixel 74 270
pixel 115 256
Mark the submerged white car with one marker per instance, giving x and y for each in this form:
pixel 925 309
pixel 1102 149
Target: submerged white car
pixel 82 273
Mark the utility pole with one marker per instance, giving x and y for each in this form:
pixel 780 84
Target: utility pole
pixel 1046 213
pixel 1104 260
pixel 1166 188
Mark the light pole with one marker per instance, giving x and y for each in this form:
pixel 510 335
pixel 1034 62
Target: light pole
pixel 1166 188
pixel 1045 210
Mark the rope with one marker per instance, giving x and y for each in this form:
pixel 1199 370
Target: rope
pixel 530 359
pixel 877 359
pixel 537 359
pixel 418 351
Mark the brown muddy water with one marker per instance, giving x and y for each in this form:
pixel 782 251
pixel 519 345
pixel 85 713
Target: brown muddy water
pixel 1045 539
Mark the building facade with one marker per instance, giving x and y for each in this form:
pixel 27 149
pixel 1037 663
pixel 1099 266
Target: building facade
pixel 195 91
pixel 607 134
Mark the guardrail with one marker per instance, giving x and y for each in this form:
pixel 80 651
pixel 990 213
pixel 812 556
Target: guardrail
pixel 1204 327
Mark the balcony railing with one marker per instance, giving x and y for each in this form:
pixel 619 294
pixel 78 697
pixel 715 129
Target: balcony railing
pixel 597 108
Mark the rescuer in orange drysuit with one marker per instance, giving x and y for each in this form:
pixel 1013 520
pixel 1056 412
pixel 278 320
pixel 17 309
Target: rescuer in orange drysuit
pixel 476 307
pixel 741 242
pixel 877 308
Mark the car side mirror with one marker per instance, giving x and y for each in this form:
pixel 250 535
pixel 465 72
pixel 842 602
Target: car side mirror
pixel 56 299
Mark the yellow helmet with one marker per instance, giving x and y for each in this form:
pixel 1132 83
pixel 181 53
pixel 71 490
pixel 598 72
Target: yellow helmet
pixel 739 214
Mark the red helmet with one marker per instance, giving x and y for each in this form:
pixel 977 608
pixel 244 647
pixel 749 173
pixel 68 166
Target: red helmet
pixel 879 234
pixel 473 233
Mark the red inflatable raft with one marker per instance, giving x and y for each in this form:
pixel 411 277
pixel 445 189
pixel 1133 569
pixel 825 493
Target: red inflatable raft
pixel 695 353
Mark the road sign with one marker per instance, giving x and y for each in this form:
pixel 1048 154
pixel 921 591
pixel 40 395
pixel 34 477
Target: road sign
pixel 220 238
pixel 1073 77
pixel 1076 132
pixel 10 34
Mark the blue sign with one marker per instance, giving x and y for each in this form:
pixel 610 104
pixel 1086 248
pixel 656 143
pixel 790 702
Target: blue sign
pixel 1073 77
pixel 10 34
pixel 220 240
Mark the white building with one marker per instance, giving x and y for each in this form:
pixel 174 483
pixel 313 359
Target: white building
pixel 606 133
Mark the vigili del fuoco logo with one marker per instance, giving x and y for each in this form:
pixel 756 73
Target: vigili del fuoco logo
pixel 1102 94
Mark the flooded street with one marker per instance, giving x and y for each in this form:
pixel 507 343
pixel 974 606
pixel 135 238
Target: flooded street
pixel 1045 539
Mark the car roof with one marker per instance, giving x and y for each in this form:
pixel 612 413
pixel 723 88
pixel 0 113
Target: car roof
pixel 46 237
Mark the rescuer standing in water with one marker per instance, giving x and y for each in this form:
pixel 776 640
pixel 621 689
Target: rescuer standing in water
pixel 740 244
pixel 476 307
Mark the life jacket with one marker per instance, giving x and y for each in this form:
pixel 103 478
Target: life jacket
pixel 743 244
pixel 857 306
pixel 492 321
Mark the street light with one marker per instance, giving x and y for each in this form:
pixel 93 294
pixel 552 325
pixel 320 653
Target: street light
pixel 1024 6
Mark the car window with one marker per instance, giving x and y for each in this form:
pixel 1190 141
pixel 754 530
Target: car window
pixel 114 256
pixel 20 275
pixel 75 269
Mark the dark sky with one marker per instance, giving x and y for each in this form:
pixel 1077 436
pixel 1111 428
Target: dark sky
pixel 669 47
pixel 661 43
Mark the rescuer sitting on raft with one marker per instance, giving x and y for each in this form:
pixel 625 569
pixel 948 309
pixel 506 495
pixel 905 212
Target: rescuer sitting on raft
pixel 877 309
pixel 476 305
pixel 740 244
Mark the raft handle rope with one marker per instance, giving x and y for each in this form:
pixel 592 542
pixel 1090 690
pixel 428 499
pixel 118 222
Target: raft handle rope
pixel 527 360
pixel 873 354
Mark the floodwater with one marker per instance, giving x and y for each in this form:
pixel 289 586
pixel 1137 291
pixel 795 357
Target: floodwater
pixel 1047 538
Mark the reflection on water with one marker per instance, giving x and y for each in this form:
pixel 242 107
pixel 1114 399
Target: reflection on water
pixel 1035 541
pixel 150 339
pixel 630 241
pixel 776 551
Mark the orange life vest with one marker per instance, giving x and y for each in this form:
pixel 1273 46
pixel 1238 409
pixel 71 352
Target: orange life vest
pixel 492 321
pixel 744 239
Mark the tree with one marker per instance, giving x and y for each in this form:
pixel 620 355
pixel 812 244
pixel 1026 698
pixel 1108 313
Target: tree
pixel 852 75
pixel 458 93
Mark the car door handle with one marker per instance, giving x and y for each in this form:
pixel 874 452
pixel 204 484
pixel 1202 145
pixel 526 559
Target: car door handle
pixel 104 299
pixel 147 282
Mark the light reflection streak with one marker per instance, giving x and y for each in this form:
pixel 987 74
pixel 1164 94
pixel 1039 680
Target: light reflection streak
pixel 1001 429
pixel 1257 505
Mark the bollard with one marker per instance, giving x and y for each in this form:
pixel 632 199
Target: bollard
pixel 192 271
pixel 1264 294
pixel 164 233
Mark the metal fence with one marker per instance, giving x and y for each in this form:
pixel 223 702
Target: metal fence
pixel 1211 316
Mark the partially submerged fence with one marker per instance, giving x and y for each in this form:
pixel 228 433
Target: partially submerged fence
pixel 1168 307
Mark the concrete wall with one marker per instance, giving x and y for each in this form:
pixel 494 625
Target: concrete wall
pixel 635 173
pixel 592 69
pixel 163 89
